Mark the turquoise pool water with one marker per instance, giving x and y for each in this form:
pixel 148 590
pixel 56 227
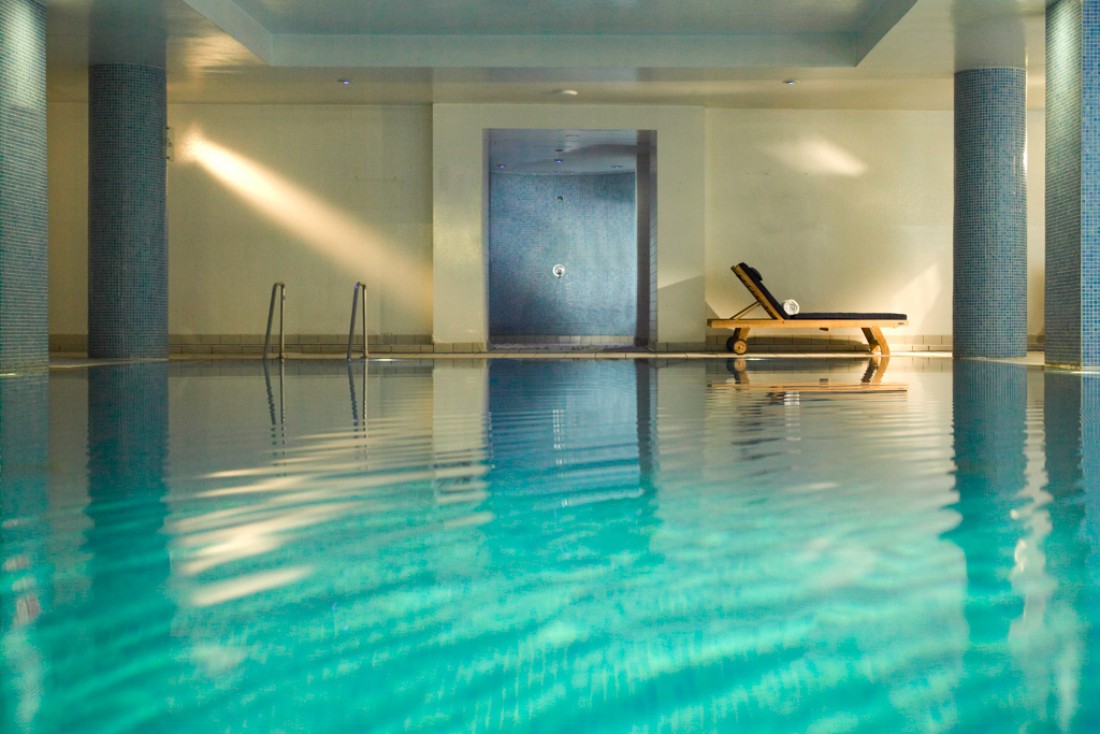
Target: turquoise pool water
pixel 550 546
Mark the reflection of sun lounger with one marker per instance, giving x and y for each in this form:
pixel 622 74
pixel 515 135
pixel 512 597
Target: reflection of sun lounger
pixel 869 382
pixel 870 323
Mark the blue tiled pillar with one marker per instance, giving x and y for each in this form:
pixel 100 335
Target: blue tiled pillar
pixel 990 288
pixel 24 302
pixel 127 237
pixel 1073 183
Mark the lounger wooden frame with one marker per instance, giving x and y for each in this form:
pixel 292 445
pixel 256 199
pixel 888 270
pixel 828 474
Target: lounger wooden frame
pixel 741 326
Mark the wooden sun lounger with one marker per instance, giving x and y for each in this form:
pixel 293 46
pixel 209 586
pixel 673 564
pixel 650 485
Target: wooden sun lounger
pixel 871 324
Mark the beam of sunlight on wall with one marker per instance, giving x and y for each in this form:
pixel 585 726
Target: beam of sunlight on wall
pixel 335 234
pixel 814 154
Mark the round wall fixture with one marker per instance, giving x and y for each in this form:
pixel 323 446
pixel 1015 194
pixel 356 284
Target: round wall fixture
pixel 559 270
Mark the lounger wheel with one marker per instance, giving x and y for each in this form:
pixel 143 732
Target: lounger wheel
pixel 737 346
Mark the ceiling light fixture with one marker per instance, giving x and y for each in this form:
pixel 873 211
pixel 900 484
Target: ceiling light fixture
pixel 345 82
pixel 790 82
pixel 565 92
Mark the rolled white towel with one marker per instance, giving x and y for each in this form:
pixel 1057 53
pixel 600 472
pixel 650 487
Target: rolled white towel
pixel 790 306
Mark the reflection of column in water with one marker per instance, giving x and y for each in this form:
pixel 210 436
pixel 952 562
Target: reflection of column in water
pixel 990 411
pixel 128 611
pixel 990 415
pixel 1071 417
pixel 25 581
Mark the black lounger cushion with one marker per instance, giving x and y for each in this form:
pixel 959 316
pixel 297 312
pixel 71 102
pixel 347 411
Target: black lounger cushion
pixel 852 316
pixel 756 278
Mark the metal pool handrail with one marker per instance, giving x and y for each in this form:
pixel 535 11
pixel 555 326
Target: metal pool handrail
pixel 278 289
pixel 354 304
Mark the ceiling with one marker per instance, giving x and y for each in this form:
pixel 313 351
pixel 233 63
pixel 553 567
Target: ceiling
pixel 865 54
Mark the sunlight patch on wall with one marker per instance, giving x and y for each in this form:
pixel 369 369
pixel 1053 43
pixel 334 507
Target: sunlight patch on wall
pixel 816 155
pixel 927 286
pixel 336 235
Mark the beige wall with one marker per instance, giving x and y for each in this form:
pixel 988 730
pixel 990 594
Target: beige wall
pixel 67 156
pixel 842 210
pixel 315 196
pixel 846 211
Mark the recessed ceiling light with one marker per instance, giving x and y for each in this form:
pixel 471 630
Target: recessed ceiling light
pixel 345 82
pixel 557 160
pixel 565 92
pixel 790 82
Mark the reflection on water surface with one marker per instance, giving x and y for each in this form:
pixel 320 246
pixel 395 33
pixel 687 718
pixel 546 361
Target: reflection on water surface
pixel 577 545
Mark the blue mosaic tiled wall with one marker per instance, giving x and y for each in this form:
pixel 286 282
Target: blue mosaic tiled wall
pixel 990 225
pixel 1090 184
pixel 588 224
pixel 24 301
pixel 1073 183
pixel 127 238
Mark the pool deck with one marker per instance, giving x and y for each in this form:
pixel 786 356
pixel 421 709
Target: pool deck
pixel 71 361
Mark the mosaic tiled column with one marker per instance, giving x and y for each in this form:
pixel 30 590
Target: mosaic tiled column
pixel 127 237
pixel 1073 183
pixel 24 302
pixel 990 288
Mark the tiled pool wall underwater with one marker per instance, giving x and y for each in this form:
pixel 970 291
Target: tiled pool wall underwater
pixel 100 467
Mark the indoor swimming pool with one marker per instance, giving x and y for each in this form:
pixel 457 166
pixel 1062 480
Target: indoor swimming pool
pixel 543 545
